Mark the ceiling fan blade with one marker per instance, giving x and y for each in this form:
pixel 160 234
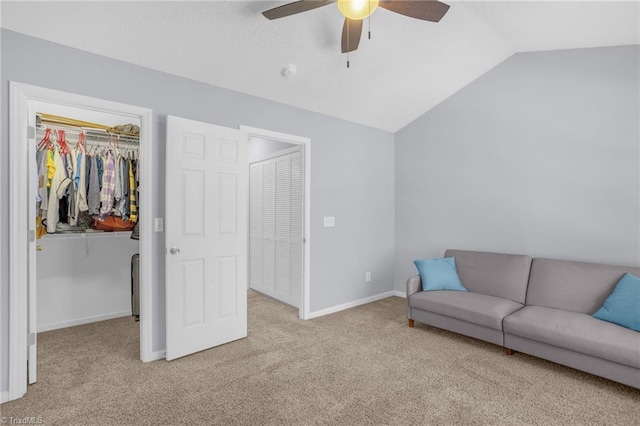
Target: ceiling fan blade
pixel 427 10
pixel 351 32
pixel 295 7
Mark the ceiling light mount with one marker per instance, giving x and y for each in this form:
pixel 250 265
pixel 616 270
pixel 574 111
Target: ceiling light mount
pixel 289 71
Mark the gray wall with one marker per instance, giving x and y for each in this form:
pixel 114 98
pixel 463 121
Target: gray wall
pixel 538 156
pixel 351 169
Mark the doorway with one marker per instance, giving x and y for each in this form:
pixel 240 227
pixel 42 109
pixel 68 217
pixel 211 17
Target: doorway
pixel 82 273
pixel 23 321
pixel 279 217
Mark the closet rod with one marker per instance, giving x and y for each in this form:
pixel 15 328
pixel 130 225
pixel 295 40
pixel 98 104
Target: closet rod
pixel 124 145
pixel 89 134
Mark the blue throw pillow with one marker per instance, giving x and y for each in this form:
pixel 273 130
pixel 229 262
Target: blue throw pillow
pixel 439 274
pixel 622 307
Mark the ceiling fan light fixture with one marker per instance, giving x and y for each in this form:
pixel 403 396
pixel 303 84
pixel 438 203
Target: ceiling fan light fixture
pixel 357 9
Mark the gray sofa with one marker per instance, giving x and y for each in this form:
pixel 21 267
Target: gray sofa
pixel 541 307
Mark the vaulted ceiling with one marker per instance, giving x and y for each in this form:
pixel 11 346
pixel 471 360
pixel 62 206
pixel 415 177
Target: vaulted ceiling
pixel 408 66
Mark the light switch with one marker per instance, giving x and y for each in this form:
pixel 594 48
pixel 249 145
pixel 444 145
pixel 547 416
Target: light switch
pixel 158 224
pixel 329 221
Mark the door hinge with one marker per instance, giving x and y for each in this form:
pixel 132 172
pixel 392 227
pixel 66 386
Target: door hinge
pixel 31 339
pixel 31 132
pixel 304 241
pixel 32 236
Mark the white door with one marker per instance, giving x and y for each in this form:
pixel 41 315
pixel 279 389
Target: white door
pixel 276 227
pixel 205 235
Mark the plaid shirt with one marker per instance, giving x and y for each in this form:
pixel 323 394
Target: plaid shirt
pixel 108 185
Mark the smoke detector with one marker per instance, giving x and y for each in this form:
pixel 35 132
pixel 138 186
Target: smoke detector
pixel 289 71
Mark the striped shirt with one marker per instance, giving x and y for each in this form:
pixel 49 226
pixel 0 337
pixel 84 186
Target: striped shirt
pixel 108 185
pixel 133 208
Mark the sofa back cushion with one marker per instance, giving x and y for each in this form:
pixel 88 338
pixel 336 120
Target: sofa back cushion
pixel 573 286
pixel 493 274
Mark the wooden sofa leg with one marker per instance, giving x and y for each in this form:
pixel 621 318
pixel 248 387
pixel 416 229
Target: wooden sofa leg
pixel 508 351
pixel 410 322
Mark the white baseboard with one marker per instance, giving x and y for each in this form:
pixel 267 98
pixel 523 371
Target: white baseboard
pixel 4 397
pixel 400 294
pixel 348 305
pixel 80 321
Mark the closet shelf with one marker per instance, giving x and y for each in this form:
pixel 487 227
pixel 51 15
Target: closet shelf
pixel 82 235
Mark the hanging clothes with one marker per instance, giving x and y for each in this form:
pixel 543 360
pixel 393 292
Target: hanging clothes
pixel 93 191
pixel 41 158
pixel 137 173
pixel 57 188
pixel 71 191
pixel 74 187
pixel 43 193
pixel 108 185
pixel 117 191
pixel 123 204
pixel 79 181
pixel 88 172
pixel 100 164
pixel 39 155
pixel 51 167
pixel 133 207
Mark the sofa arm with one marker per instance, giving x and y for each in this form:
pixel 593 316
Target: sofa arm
pixel 414 285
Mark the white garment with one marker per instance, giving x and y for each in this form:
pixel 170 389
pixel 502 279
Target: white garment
pixel 58 187
pixel 42 186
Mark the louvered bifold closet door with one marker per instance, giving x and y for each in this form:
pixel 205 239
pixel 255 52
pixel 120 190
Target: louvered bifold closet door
pixel 255 225
pixel 283 234
pixel 297 229
pixel 268 228
pixel 276 227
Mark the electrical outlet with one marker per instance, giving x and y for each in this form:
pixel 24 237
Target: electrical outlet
pixel 367 276
pixel 158 224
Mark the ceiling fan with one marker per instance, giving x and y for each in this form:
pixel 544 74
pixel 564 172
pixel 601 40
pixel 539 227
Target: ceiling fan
pixel 355 11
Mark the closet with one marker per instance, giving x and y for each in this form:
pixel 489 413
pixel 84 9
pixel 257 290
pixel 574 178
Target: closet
pixel 86 207
pixel 276 224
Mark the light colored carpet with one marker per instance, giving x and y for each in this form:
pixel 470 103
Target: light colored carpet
pixel 360 366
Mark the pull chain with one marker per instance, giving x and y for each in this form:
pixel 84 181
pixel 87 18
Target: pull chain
pixel 348 43
pixel 369 21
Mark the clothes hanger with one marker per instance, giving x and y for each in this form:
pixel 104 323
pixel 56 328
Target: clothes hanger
pixel 62 142
pixel 46 140
pixel 81 143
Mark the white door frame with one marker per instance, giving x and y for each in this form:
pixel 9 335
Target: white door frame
pixel 305 306
pixel 20 96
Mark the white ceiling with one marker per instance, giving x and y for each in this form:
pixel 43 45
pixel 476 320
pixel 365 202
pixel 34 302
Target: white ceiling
pixel 407 68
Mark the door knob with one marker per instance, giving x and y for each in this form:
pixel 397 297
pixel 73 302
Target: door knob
pixel 174 250
pixel 38 248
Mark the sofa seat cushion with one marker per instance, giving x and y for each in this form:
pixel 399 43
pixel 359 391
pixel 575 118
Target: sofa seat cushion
pixel 577 332
pixel 472 307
